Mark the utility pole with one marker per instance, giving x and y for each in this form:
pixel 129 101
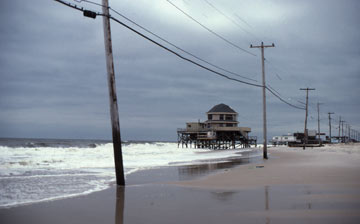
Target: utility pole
pixel 306 115
pixel 342 132
pixel 339 128
pixel 330 125
pixel 262 46
pixel 318 111
pixel 356 135
pixel 345 132
pixel 349 136
pixel 119 169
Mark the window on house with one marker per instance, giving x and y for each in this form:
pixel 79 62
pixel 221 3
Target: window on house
pixel 221 117
pixel 229 117
pixel 209 116
pixel 229 125
pixel 189 125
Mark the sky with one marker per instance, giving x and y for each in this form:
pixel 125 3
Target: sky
pixel 53 72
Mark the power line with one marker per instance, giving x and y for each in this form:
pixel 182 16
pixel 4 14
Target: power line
pixel 276 70
pixel 281 99
pixel 277 75
pixel 197 64
pixel 230 19
pixel 268 85
pixel 168 42
pixel 292 105
pixel 208 29
pixel 179 55
pixel 181 49
pixel 74 6
pixel 301 102
pixel 272 90
pixel 242 20
pixel 91 2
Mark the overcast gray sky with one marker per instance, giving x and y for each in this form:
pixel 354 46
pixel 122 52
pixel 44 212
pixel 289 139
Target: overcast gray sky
pixel 53 74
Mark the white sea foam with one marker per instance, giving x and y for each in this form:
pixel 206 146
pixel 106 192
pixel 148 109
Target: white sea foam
pixel 34 174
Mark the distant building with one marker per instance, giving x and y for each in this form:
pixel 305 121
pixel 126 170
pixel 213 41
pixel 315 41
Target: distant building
pixel 283 140
pixel 219 131
pixel 297 139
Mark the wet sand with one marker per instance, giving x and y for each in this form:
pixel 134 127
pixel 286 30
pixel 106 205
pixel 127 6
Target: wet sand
pixel 290 166
pixel 291 187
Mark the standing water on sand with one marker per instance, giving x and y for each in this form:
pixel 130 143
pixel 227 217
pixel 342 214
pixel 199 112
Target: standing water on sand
pixel 35 170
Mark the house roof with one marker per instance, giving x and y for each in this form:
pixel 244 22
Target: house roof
pixel 221 108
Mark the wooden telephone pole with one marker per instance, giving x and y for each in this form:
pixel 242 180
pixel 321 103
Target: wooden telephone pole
pixel 330 125
pixel 342 132
pixel 115 124
pixel 306 115
pixel 318 111
pixel 339 128
pixel 262 46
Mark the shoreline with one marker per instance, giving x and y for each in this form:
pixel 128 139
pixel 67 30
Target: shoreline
pixel 225 193
pixel 164 174
pixel 190 172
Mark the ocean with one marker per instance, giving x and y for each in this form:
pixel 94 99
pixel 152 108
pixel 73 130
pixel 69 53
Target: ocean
pixel 36 170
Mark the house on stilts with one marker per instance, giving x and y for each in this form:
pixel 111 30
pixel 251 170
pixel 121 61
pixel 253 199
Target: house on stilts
pixel 219 131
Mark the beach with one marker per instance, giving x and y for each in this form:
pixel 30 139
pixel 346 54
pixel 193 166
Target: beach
pixel 316 185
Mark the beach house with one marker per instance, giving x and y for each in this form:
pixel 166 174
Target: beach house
pixel 219 131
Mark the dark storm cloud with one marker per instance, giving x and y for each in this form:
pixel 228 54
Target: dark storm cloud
pixel 54 79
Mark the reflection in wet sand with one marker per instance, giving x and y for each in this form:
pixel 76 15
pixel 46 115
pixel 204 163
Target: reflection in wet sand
pixel 309 204
pixel 267 207
pixel 192 171
pixel 223 196
pixel 120 201
pixel 163 203
pixel 267 198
